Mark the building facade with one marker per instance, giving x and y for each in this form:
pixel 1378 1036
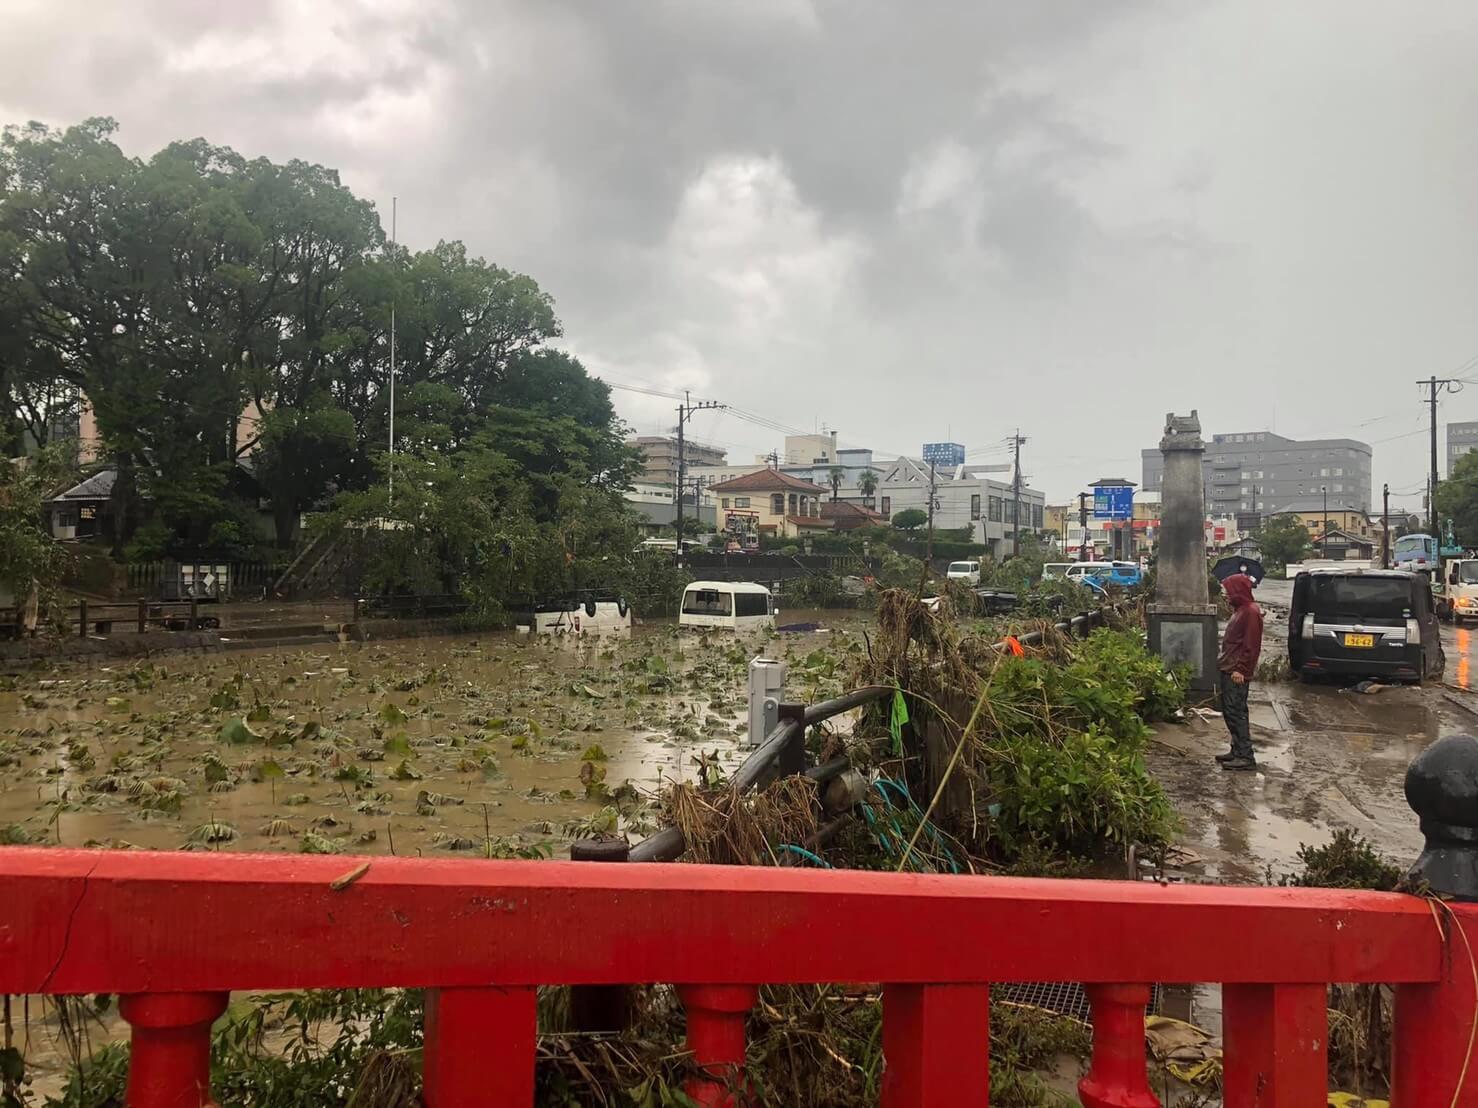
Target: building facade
pixel 658 509
pixel 659 457
pixel 1257 470
pixel 770 502
pixel 1461 437
pixel 979 498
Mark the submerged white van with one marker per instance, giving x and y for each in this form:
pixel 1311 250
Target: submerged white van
pixel 732 605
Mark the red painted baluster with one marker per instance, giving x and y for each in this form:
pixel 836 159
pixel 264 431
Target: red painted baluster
pixel 936 1046
pixel 716 1015
pixel 1118 1077
pixel 1434 1023
pixel 1277 1045
pixel 480 1047
pixel 169 1059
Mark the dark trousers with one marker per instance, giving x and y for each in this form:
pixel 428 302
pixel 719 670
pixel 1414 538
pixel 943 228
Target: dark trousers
pixel 1234 711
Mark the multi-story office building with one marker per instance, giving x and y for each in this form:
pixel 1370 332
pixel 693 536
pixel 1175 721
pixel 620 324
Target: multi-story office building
pixel 1260 471
pixel 1461 437
pixel 659 457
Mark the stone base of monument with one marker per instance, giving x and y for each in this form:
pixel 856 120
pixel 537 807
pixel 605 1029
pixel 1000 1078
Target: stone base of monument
pixel 1183 637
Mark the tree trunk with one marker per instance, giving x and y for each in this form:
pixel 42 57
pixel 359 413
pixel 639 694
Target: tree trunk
pixel 285 519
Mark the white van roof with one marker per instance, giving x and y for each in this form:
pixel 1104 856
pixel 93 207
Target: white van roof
pixel 728 586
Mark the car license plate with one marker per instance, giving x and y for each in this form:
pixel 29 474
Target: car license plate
pixel 1364 641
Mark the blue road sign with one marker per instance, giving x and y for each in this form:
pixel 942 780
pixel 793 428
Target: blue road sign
pixel 1113 502
pixel 944 453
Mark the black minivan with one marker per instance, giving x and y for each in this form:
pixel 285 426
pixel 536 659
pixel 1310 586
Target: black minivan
pixel 1364 623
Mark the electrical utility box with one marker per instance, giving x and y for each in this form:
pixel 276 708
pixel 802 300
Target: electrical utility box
pixel 766 689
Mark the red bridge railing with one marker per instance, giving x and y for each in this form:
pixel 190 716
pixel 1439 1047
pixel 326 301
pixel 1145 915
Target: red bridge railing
pixel 174 933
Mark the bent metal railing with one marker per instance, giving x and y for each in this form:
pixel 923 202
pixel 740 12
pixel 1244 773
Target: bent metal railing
pixel 783 753
pixel 173 934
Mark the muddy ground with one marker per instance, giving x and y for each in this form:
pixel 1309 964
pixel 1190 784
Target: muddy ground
pixel 480 744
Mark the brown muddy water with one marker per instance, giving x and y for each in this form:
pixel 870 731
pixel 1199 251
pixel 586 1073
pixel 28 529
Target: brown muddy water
pixel 485 744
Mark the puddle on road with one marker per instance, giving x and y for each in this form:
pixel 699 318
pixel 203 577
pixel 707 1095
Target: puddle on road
pixel 416 745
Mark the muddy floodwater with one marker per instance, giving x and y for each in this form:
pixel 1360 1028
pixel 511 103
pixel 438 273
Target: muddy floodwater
pixel 488 744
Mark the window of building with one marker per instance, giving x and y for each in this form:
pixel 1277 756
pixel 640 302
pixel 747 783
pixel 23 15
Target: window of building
pixel 975 505
pixel 1037 516
pixel 1010 511
pixel 724 502
pixel 994 508
pixel 777 504
pixel 739 502
pixel 793 509
pixel 887 507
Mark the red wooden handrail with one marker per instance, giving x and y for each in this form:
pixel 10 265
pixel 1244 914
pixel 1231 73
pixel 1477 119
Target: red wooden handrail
pixel 175 932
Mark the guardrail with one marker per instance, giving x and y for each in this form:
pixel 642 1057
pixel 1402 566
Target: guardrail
pixel 172 934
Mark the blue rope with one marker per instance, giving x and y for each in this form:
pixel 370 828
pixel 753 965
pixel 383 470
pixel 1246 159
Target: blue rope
pixel 806 854
pixel 896 843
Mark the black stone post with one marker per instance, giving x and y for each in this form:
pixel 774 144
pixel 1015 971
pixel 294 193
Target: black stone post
pixel 1442 788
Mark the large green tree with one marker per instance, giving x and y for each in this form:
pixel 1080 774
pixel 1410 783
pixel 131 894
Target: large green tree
pixel 1457 499
pixel 228 320
pixel 1284 539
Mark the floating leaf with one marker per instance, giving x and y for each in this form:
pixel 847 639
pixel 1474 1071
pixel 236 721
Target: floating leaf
pixel 260 714
pixel 390 713
pixel 236 732
pixel 277 828
pixel 317 844
pixel 296 799
pixel 398 744
pixel 266 770
pixel 216 770
pixel 594 753
pixel 118 703
pixel 406 772
pixel 215 831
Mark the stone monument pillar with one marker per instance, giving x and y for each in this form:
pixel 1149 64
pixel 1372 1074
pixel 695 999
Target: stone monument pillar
pixel 1182 620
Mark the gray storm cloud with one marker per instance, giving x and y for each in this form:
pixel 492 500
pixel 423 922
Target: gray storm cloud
pixel 905 221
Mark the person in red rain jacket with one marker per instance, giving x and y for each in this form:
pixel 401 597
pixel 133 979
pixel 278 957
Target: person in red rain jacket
pixel 1240 648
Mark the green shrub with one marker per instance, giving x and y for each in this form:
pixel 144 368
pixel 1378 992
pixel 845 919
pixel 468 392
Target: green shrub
pixel 1064 756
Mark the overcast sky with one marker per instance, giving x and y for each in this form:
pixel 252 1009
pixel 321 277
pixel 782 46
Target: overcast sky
pixel 905 221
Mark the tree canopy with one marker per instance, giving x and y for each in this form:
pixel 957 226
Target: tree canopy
pixel 226 320
pixel 1284 539
pixel 1457 499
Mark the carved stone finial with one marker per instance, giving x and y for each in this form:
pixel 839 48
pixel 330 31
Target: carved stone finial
pixel 1442 789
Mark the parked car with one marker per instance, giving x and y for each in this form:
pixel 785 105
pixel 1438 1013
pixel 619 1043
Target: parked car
pixel 1052 570
pixel 1124 574
pixel 1364 623
pixel 967 572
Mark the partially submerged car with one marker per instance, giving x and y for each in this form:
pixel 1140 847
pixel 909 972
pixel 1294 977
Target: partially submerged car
pixel 1364 623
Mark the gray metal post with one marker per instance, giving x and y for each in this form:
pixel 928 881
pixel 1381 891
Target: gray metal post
pixel 1442 788
pixel 766 687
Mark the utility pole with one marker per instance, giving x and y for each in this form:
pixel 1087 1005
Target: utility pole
pixel 390 467
pixel 685 412
pixel 1016 441
pixel 1435 386
pixel 1324 533
pixel 1385 523
pixel 1083 523
pixel 929 554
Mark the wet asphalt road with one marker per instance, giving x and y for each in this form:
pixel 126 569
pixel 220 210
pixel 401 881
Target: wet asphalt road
pixel 1328 757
